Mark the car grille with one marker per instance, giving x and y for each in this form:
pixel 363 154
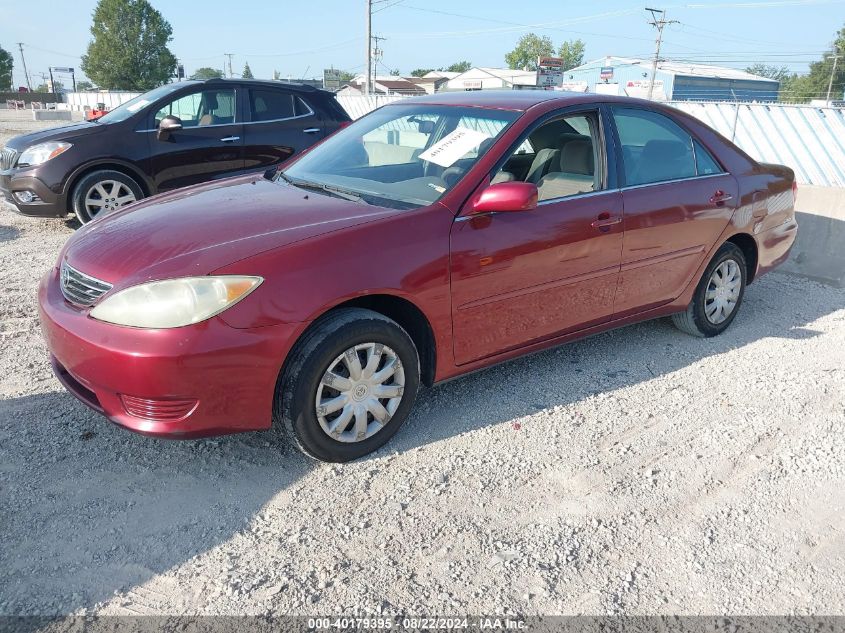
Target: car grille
pixel 7 158
pixel 79 288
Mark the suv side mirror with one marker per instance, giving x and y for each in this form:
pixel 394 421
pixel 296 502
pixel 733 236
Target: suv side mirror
pixel 505 197
pixel 168 125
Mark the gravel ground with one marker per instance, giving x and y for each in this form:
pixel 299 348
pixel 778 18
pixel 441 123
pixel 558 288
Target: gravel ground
pixel 637 472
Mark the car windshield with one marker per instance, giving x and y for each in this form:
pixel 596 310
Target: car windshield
pixel 401 156
pixel 126 110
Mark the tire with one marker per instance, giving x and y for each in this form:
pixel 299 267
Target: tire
pixel 696 319
pixel 306 381
pixel 89 190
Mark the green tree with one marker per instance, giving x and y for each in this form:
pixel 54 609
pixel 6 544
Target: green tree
pixel 572 53
pixel 813 85
pixel 394 72
pixel 458 67
pixel 207 73
pixel 129 46
pixel 778 73
pixel 247 74
pixel 529 47
pixel 6 65
pixel 420 72
pixel 82 86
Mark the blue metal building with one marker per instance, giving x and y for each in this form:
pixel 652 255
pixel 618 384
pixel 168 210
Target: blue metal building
pixel 674 81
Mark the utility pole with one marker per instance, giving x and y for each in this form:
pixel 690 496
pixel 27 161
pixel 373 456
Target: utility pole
pixel 229 55
pixel 369 47
pixel 836 57
pixel 377 55
pixel 25 72
pixel 659 25
pixel 52 83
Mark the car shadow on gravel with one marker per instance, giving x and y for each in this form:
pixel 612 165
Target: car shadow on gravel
pixel 9 233
pixel 88 510
pixel 776 306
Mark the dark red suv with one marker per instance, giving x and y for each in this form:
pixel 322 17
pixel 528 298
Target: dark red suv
pixel 176 135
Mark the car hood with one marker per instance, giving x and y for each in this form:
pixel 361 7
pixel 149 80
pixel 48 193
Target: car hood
pixel 196 230
pixel 61 133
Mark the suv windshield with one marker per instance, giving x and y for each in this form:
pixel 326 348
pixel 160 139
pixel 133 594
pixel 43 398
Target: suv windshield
pixel 126 110
pixel 402 156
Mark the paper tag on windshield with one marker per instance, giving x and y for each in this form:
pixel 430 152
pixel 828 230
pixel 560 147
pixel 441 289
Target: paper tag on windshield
pixel 448 150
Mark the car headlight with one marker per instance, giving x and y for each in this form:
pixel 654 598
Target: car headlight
pixel 174 302
pixel 41 153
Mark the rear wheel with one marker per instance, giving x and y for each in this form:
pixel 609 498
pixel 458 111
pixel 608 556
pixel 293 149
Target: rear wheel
pixel 350 384
pixel 102 192
pixel 718 295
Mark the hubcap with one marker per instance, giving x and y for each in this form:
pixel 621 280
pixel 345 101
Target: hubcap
pixel 106 196
pixel 722 291
pixel 360 392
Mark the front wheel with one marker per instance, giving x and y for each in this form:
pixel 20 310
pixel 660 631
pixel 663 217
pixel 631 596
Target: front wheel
pixel 102 192
pixel 718 295
pixel 349 385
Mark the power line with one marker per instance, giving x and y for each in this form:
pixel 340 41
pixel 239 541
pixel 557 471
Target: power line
pixel 388 6
pixel 756 5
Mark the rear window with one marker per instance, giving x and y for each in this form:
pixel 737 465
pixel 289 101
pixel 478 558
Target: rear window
pixel 271 105
pixel 654 148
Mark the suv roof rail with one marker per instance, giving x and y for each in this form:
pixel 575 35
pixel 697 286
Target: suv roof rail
pixel 264 82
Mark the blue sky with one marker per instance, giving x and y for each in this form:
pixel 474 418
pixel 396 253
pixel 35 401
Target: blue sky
pixel 301 38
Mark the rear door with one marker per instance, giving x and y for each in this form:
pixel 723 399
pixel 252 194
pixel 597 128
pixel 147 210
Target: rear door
pixel 281 123
pixel 208 146
pixel 677 199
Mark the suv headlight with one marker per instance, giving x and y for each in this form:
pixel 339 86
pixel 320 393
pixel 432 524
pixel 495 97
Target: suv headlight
pixel 41 153
pixel 174 302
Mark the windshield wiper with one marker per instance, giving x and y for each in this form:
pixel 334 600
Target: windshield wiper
pixel 318 186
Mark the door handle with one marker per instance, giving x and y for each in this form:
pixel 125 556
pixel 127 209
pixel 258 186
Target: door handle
pixel 230 139
pixel 720 197
pixel 311 130
pixel 605 221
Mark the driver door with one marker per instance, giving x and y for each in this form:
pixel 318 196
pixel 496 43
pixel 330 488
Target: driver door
pixel 526 276
pixel 209 145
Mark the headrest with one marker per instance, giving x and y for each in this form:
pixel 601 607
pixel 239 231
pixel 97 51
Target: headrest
pixel 210 100
pixel 577 157
pixel 662 160
pixel 568 137
pixel 664 150
pixel 484 145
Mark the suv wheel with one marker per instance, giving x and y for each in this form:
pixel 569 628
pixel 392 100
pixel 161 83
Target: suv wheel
pixel 102 192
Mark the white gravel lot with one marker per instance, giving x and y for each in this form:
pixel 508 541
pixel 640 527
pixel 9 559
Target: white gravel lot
pixel 637 472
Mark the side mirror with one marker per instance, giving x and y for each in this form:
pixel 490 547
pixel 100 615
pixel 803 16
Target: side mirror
pixel 168 125
pixel 505 197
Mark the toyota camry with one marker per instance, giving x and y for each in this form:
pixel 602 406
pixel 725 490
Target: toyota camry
pixel 433 237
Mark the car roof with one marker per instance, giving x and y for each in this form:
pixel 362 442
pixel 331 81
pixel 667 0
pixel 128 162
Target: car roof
pixel 518 100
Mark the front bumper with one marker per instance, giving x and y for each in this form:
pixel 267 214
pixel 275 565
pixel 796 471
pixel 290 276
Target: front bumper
pixel 48 205
pixel 195 381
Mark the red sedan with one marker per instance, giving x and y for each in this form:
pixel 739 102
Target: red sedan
pixel 433 237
